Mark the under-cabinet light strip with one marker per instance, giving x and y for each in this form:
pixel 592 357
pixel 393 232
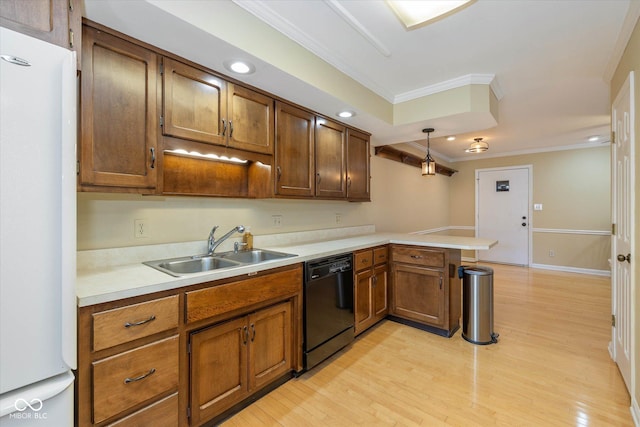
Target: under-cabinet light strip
pixel 207 156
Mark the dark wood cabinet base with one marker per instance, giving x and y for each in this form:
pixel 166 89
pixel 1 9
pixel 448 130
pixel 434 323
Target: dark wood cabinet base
pixel 442 332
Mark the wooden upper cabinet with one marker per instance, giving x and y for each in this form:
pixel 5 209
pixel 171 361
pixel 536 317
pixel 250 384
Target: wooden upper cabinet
pixel 118 147
pixel 55 21
pixel 331 159
pixel 358 175
pixel 202 107
pixel 194 104
pixel 294 153
pixel 251 120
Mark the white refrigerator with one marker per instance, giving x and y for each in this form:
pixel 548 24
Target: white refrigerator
pixel 37 232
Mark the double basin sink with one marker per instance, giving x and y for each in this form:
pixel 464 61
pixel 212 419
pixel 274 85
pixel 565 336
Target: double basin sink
pixel 182 266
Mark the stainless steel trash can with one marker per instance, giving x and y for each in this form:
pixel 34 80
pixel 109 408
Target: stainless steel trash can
pixel 477 305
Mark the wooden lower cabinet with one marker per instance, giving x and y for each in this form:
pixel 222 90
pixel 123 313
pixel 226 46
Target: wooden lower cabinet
pixel 370 287
pixel 229 361
pixel 188 356
pixel 418 294
pixel 425 289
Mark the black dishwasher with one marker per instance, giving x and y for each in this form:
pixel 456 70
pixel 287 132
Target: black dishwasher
pixel 328 307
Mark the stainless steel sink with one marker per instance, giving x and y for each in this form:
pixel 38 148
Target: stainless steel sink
pixel 253 256
pixel 201 263
pixel 188 265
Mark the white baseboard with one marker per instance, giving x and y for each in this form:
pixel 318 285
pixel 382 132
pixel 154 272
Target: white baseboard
pixel 468 259
pixel 572 269
pixel 635 412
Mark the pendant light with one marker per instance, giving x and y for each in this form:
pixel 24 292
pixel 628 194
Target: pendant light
pixel 428 164
pixel 478 146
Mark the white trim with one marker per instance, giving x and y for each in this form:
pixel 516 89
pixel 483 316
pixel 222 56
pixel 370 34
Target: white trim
pixel 357 25
pixel 467 259
pixel 261 10
pixel 533 151
pixel 633 14
pixel 635 411
pixel 446 228
pixel 564 268
pixel 469 79
pixel 569 231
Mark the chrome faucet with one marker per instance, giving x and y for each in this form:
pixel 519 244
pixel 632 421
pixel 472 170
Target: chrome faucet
pixel 213 243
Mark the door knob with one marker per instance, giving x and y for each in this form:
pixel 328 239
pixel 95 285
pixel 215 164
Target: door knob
pixel 623 258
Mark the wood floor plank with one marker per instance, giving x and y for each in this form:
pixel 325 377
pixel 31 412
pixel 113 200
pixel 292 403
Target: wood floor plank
pixel 551 367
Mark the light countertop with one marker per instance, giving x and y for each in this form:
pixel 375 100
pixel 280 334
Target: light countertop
pixel 98 284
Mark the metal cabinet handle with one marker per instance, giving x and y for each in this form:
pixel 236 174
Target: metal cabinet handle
pixel 318 177
pixel 279 172
pixel 623 258
pixel 153 157
pixel 375 280
pixel 141 377
pixel 253 332
pixel 440 282
pixel 348 182
pixel 141 322
pixel 230 129
pixel 224 127
pixel 245 332
pixel 416 256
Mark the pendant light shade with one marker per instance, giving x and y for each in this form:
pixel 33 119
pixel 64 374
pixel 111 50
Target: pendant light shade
pixel 428 164
pixel 478 146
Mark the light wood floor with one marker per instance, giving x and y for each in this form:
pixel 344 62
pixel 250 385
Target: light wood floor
pixel 551 367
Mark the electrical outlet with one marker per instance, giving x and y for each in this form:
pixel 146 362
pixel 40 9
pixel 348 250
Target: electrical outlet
pixel 140 228
pixel 338 218
pixel 276 221
pixel 552 253
pixel 537 206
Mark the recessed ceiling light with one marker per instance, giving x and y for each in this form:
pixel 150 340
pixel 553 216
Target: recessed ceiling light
pixel 240 66
pixel 346 114
pixel 451 138
pixel 593 138
pixel 414 13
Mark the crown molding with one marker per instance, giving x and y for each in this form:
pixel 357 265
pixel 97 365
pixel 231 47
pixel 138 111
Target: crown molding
pixel 630 20
pixel 469 79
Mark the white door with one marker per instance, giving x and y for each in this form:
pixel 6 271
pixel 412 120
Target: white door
pixel 623 218
pixel 502 213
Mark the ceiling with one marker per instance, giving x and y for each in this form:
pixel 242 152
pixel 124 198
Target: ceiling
pixel 545 65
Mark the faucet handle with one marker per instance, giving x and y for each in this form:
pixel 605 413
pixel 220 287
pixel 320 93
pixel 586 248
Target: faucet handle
pixel 212 232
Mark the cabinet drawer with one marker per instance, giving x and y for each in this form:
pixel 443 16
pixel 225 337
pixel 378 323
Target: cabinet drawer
pixel 418 256
pixel 129 323
pixel 380 255
pixel 362 259
pixel 127 379
pixel 216 300
pixel 160 414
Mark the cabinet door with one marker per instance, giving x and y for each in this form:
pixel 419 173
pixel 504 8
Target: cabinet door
pixel 379 284
pixel 418 294
pixel 218 368
pixel 195 104
pixel 294 158
pixel 330 159
pixel 270 347
pixel 250 120
pixel 119 116
pixel 357 166
pixel 47 20
pixel 363 300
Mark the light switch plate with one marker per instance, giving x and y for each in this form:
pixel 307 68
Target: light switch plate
pixel 537 207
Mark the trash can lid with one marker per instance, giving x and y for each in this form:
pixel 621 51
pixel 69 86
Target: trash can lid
pixel 478 270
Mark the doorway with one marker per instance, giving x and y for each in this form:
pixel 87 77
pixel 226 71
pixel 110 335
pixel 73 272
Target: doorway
pixel 623 216
pixel 503 200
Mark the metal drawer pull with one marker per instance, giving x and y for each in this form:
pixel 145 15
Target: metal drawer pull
pixel 253 332
pixel 153 157
pixel 230 129
pixel 142 322
pixel 416 256
pixel 224 127
pixel 141 377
